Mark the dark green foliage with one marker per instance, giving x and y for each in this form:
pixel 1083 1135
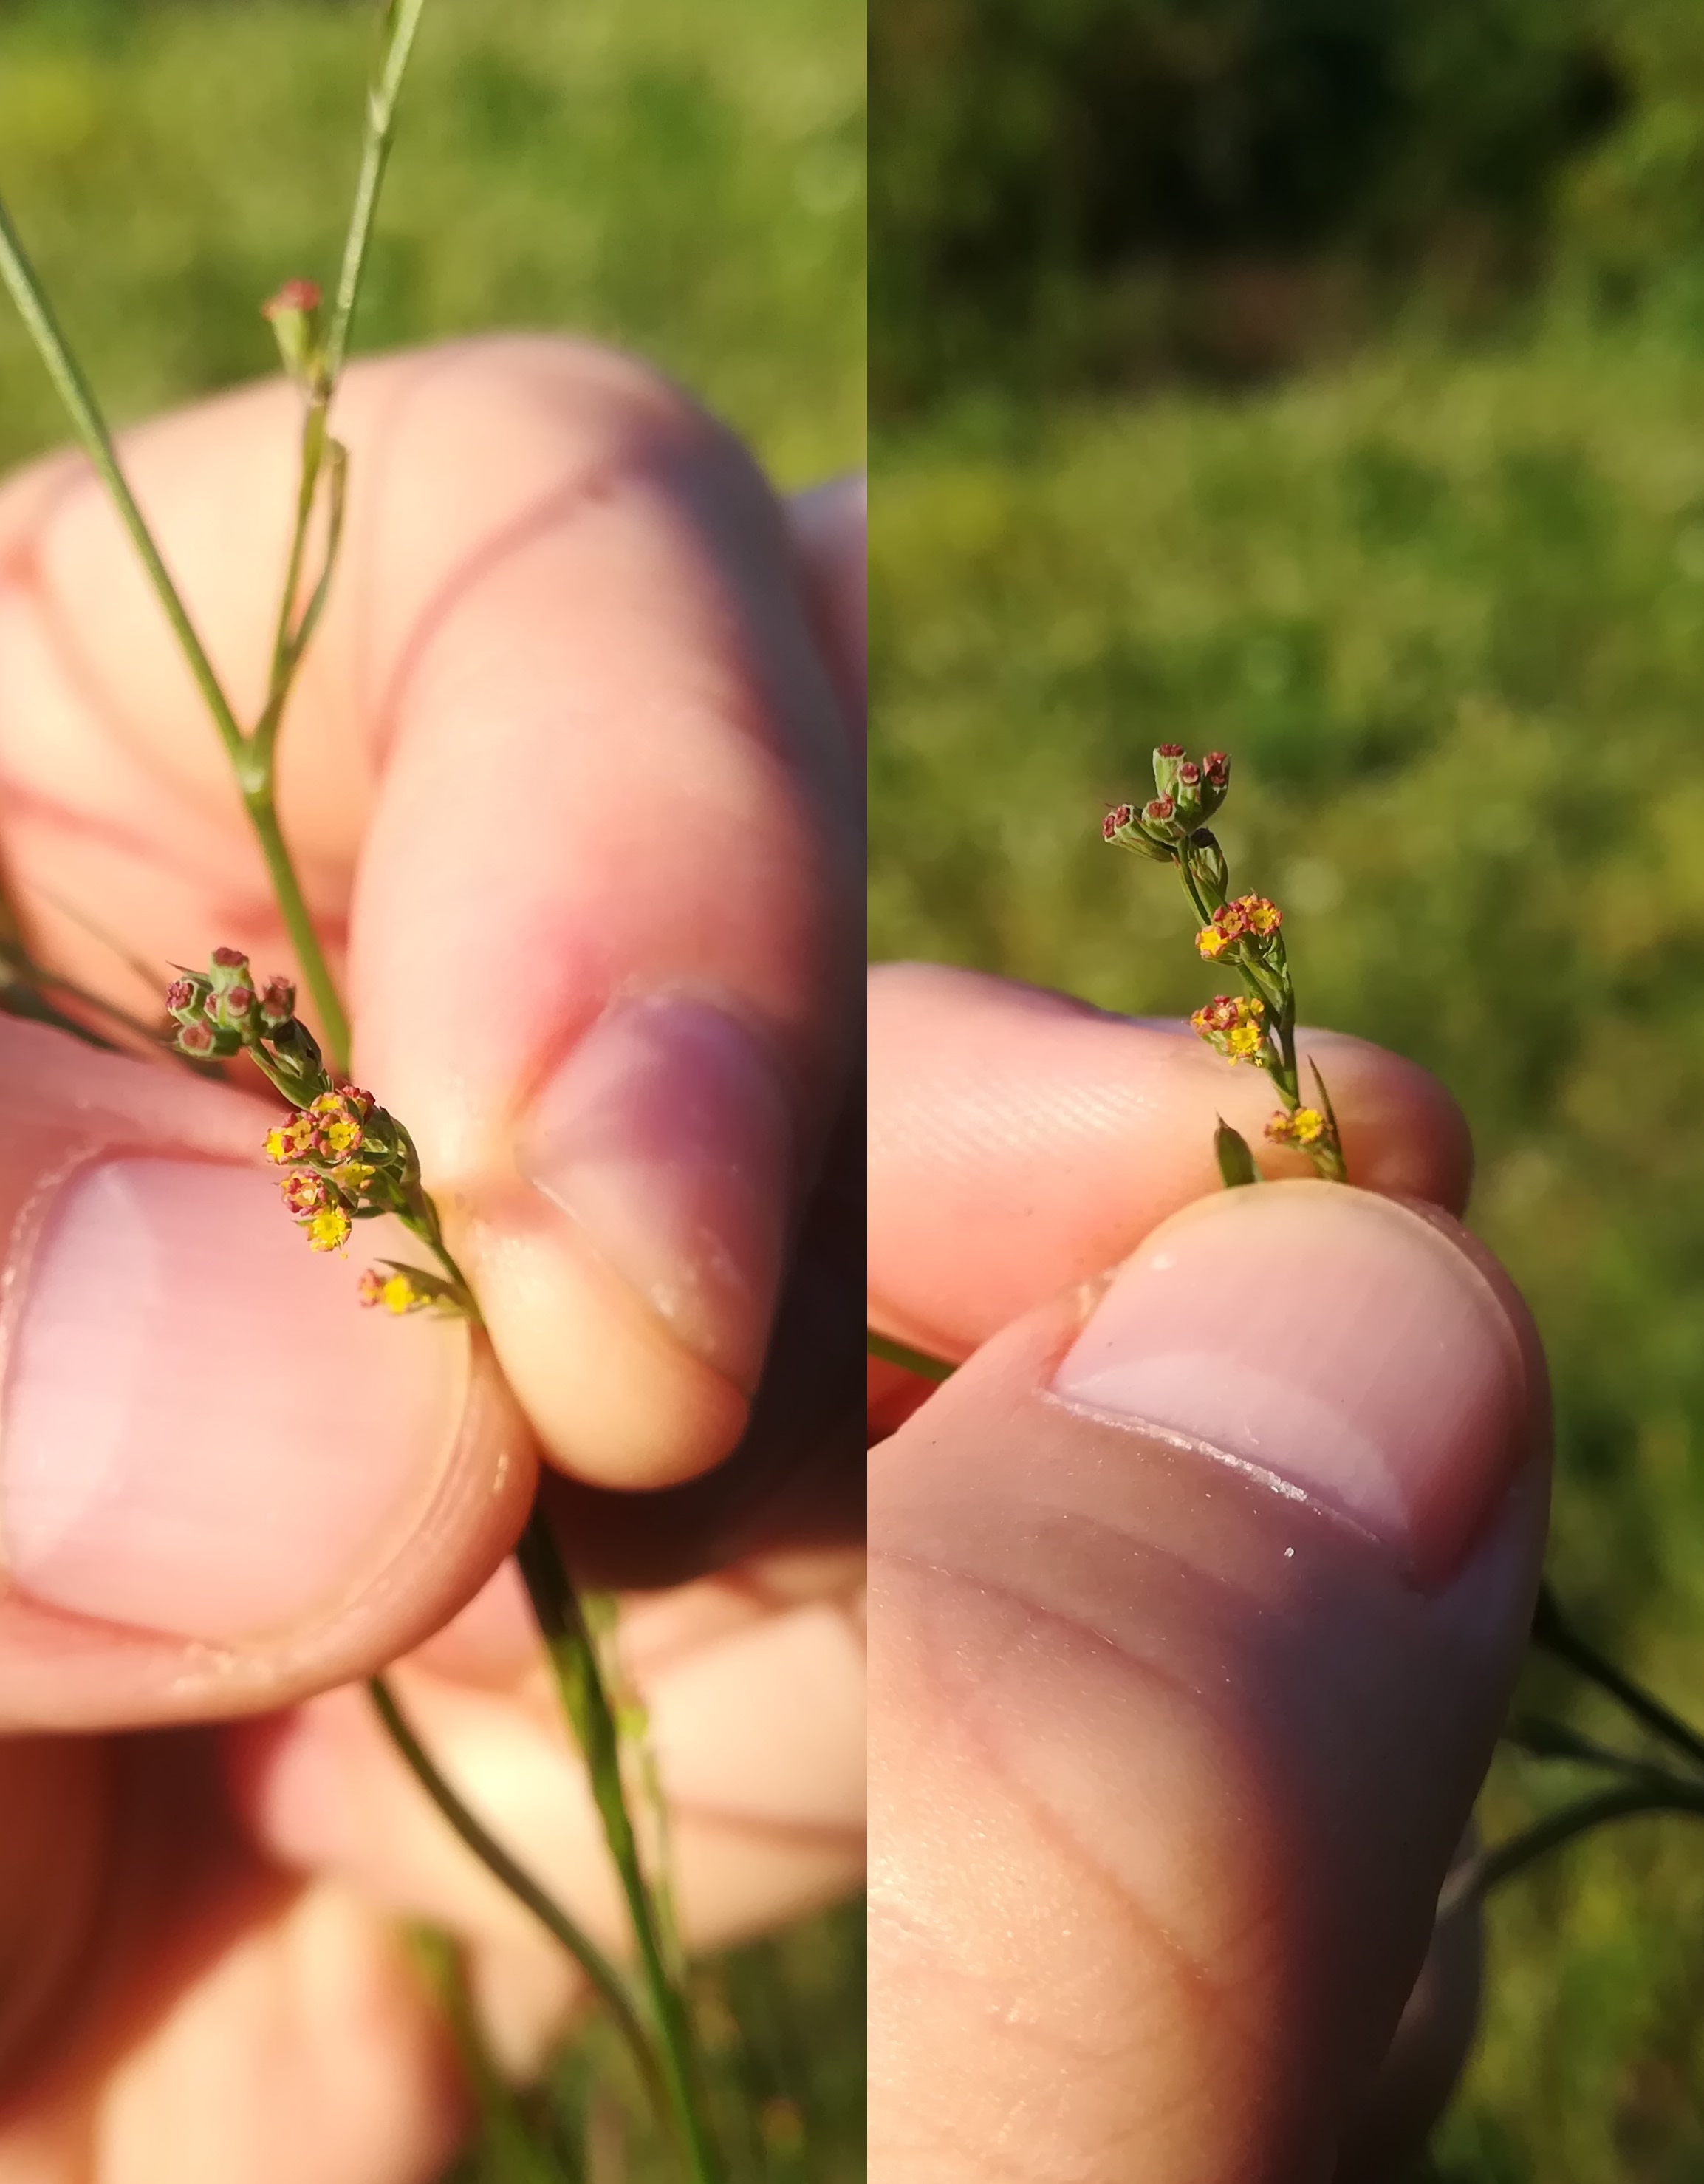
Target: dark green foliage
pixel 1095 188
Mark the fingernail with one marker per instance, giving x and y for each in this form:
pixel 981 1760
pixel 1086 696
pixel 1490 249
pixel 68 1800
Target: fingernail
pixel 1342 1343
pixel 201 1432
pixel 665 1137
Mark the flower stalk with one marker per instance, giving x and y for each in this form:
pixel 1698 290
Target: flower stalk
pixel 1246 934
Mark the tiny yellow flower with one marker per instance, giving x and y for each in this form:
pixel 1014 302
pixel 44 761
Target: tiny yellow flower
pixel 393 1292
pixel 328 1230
pixel 305 1193
pixel 1260 917
pixel 291 1139
pixel 1234 1027
pixel 336 1119
pixel 1211 943
pixel 1306 1126
pixel 1244 1042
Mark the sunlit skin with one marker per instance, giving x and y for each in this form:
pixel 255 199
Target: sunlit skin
pixel 1166 1768
pixel 565 592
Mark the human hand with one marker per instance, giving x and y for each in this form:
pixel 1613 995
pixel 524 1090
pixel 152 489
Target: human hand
pixel 572 792
pixel 1198 1594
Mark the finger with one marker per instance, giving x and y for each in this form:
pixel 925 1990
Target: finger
pixel 830 527
pixel 1197 1602
pixel 754 1705
pixel 1021 1141
pixel 567 752
pixel 53 1831
pixel 604 932
pixel 221 1483
pixel 1426 2057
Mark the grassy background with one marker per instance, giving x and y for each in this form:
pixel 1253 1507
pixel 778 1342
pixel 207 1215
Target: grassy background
pixel 686 179
pixel 1440 590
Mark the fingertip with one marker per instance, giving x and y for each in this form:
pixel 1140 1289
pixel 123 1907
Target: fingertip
pixel 614 1397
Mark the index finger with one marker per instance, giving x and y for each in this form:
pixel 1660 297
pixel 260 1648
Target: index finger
pixel 1021 1141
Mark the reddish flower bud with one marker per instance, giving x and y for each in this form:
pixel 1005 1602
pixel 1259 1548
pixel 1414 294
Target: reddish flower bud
pixel 1218 768
pixel 1160 810
pixel 297 295
pixel 238 1002
pixel 1121 814
pixel 197 1039
pixel 181 993
pixel 230 959
pixel 1189 774
pixel 278 1001
pixel 1171 750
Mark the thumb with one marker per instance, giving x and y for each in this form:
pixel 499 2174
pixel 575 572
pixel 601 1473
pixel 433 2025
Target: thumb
pixel 1198 1599
pixel 222 1484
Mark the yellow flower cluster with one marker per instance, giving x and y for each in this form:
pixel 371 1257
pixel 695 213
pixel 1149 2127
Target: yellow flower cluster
pixel 393 1292
pixel 1233 1026
pixel 1250 917
pixel 1306 1126
pixel 327 1133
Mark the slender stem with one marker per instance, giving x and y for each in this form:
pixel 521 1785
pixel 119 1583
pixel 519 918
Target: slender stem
pixel 1479 1874
pixel 605 1980
pixel 279 678
pixel 1554 1634
pixel 299 923
pixel 402 22
pixel 585 1702
pixel 909 1359
pixel 513 2156
pixel 1540 1738
pixel 97 442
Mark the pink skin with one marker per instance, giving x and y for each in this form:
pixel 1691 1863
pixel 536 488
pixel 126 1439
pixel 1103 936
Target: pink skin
pixel 564 586
pixel 1198 1595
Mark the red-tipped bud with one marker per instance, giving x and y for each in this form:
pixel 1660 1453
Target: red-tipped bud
pixel 238 1002
pixel 1161 810
pixel 1217 767
pixel 1121 814
pixel 293 317
pixel 230 959
pixel 1189 774
pixel 197 1039
pixel 297 295
pixel 278 1001
pixel 1171 750
pixel 183 997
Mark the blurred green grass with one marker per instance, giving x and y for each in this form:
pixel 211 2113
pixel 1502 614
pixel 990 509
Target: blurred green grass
pixel 686 181
pixel 1445 607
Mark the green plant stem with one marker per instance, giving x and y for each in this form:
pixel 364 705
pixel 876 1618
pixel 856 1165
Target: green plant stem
pixel 299 923
pixel 1490 1868
pixel 509 2149
pixel 1553 1633
pixel 402 21
pixel 585 1702
pixel 96 440
pixel 909 1359
pixel 605 1981
pixel 1540 1738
